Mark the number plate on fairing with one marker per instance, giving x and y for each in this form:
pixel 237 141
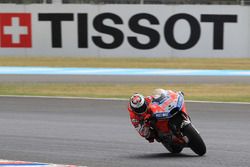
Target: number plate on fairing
pixel 161 115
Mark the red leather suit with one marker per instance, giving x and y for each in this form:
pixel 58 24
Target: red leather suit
pixel 138 120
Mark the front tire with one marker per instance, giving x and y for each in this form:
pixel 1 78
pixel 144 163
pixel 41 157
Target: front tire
pixel 196 143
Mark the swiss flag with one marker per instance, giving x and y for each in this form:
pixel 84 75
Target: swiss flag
pixel 15 30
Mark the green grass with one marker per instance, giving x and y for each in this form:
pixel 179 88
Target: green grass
pixel 186 63
pixel 205 92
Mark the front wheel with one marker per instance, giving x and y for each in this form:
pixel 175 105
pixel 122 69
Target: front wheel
pixel 195 141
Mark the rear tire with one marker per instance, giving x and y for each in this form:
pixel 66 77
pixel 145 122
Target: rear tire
pixel 174 149
pixel 196 143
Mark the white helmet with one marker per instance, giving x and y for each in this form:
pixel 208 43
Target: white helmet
pixel 138 104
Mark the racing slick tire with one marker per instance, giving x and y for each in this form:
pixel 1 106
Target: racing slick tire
pixel 196 143
pixel 174 149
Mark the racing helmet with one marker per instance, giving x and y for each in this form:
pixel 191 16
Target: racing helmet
pixel 159 95
pixel 138 104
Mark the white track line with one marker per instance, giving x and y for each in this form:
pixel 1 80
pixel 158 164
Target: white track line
pixel 112 99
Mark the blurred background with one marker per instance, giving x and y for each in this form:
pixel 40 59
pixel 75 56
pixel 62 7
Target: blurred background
pixel 76 37
pixel 229 2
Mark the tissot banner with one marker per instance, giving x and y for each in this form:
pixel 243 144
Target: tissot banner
pixel 125 30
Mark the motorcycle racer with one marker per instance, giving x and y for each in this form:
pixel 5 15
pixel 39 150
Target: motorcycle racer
pixel 163 117
pixel 140 112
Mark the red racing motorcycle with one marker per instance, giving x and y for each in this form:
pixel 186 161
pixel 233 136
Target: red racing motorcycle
pixel 172 125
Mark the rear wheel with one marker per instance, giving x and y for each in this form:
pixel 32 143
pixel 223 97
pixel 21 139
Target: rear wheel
pixel 175 149
pixel 195 141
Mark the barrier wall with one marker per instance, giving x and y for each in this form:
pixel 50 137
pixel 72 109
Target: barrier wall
pixel 125 30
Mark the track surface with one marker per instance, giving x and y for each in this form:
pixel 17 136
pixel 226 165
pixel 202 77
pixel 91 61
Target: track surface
pixel 98 133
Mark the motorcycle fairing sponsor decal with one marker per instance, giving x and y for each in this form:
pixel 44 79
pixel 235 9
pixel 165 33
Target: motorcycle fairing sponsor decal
pixel 134 121
pixel 167 107
pixel 161 115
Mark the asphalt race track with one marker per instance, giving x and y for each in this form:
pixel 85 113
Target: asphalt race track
pixel 97 133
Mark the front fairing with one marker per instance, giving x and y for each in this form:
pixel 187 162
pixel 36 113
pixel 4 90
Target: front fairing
pixel 168 107
pixel 163 113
